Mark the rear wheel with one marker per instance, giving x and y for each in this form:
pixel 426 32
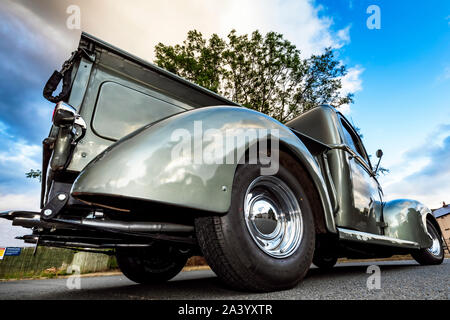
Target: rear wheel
pixel 433 254
pixel 148 265
pixel 324 261
pixel 266 240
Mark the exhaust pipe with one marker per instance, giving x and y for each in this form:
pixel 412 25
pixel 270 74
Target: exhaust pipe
pixel 129 226
pixel 35 221
pixel 163 227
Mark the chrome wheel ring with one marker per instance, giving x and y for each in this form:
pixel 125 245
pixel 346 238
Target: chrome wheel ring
pixel 435 248
pixel 273 216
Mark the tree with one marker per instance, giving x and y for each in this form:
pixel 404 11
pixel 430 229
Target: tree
pixel 265 73
pixel 197 60
pixel 382 170
pixel 34 174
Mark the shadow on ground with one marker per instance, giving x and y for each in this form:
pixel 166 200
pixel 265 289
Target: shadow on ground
pixel 205 285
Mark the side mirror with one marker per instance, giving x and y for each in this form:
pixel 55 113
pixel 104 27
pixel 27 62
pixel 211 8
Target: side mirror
pixel 379 155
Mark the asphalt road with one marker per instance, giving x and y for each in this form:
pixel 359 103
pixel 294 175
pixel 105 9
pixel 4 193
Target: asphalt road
pixel 399 280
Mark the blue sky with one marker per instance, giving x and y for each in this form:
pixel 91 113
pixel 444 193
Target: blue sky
pixel 406 66
pixel 400 73
pixel 404 104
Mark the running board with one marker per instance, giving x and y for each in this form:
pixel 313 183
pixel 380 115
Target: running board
pixel 364 237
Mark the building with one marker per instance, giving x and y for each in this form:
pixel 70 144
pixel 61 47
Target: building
pixel 442 215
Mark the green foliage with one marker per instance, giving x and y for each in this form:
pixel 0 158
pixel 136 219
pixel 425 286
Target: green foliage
pixel 46 262
pixel 358 131
pixel 51 262
pixel 383 171
pixel 32 174
pixel 197 60
pixel 112 263
pixel 261 72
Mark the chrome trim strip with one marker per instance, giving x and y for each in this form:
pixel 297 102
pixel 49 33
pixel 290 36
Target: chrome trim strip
pixel 352 235
pixel 354 155
pixel 330 183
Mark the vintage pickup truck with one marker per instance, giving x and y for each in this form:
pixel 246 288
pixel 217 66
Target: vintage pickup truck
pixel 122 175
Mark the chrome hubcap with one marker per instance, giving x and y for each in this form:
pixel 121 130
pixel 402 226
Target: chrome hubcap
pixel 273 216
pixel 435 248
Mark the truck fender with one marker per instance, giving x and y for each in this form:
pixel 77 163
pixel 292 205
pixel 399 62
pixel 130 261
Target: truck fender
pixel 142 165
pixel 407 220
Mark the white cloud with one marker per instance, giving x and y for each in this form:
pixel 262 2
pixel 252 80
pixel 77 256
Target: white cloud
pixel 20 157
pixel 29 202
pixel 344 35
pixel 422 173
pixel 429 189
pixel 8 233
pixel 402 169
pixel 345 109
pixel 168 22
pixel 351 83
pixel 17 158
pixel 138 26
pixel 4 130
pixel 299 21
pixel 37 37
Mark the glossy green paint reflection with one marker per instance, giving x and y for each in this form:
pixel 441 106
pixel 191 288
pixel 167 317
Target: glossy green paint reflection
pixel 112 122
pixel 359 205
pixel 358 201
pixel 406 220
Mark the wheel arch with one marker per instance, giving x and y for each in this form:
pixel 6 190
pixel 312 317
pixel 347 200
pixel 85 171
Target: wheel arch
pixel 316 190
pixel 433 220
pixel 318 205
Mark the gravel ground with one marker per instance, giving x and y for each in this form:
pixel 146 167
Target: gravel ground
pixel 399 280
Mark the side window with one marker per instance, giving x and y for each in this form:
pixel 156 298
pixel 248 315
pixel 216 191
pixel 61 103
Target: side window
pixel 121 110
pixel 352 141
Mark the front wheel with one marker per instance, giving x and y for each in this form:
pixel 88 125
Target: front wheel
pixel 433 254
pixel 155 264
pixel 266 240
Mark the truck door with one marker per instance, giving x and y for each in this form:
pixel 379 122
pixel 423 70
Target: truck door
pixel 365 211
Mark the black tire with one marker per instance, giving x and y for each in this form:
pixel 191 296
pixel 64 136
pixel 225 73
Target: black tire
pixel 426 256
pixel 230 250
pixel 149 265
pixel 324 262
